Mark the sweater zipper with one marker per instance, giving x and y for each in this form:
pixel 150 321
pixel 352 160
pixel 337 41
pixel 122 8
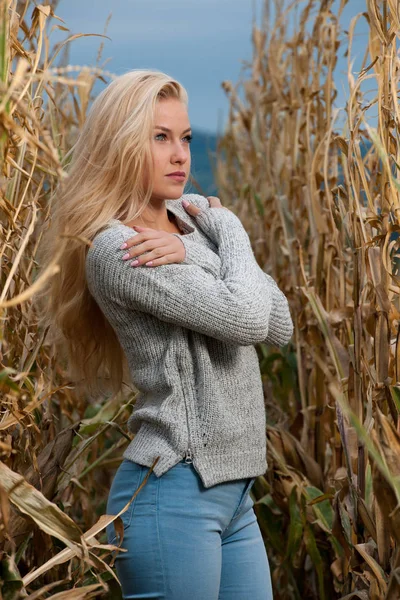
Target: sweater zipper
pixel 188 456
pixel 188 453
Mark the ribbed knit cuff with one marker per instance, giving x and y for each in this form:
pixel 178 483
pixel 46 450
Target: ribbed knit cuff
pixel 281 327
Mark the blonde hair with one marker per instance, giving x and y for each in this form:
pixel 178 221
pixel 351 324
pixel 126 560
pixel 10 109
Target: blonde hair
pixel 109 176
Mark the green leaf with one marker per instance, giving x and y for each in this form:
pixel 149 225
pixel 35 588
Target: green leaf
pixel 4 23
pixel 345 522
pixel 315 556
pixel 395 392
pixel 259 204
pixel 322 509
pixel 295 526
pixel 272 527
pixel 11 582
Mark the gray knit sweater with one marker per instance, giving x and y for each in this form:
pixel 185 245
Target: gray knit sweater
pixel 188 330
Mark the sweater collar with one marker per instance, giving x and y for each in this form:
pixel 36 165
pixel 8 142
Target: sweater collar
pixel 174 207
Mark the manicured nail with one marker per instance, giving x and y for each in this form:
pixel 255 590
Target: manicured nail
pixel 134 263
pixel 149 263
pixel 185 203
pixel 125 256
pixel 124 245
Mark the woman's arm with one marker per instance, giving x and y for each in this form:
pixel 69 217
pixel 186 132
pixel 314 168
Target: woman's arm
pixel 235 308
pixel 280 328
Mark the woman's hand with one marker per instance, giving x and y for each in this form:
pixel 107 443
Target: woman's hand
pixel 193 210
pixel 162 248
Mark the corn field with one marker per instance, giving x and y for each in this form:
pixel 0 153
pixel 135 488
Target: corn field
pixel 318 191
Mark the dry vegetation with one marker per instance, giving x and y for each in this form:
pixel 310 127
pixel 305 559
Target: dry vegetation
pixel 320 202
pixel 58 450
pixel 322 206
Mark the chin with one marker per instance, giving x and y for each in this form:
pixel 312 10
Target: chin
pixel 175 194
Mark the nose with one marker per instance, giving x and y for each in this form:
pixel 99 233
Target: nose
pixel 180 153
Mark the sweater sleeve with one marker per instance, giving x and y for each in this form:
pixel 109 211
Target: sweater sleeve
pixel 281 326
pixel 280 329
pixel 234 308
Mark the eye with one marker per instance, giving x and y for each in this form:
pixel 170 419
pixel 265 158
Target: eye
pixel 187 137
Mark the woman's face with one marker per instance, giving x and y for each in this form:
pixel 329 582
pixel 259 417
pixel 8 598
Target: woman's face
pixel 170 147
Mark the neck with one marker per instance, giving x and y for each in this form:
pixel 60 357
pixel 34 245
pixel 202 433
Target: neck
pixel 155 217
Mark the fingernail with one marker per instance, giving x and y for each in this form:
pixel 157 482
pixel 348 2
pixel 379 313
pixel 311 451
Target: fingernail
pixel 135 262
pixel 185 203
pixel 124 245
pixel 125 256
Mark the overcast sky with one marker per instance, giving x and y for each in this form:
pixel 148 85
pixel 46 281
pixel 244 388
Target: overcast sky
pixel 199 42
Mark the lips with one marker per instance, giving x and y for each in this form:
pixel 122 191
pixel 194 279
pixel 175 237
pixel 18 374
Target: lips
pixel 179 176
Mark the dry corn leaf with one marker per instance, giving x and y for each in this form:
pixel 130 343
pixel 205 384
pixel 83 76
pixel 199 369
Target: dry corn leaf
pixel 79 593
pixel 46 514
pixel 365 551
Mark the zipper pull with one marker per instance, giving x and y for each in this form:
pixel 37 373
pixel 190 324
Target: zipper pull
pixel 188 456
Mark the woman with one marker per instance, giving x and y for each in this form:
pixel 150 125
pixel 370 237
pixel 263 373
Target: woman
pixel 170 285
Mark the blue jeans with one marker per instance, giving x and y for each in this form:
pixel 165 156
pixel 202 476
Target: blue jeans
pixel 185 541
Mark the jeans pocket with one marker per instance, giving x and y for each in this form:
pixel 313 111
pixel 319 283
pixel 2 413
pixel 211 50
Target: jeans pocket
pixel 126 482
pixel 246 501
pixel 251 483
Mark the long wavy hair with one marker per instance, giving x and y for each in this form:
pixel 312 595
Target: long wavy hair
pixel 108 176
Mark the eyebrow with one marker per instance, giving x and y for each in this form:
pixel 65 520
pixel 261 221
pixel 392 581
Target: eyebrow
pixel 169 131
